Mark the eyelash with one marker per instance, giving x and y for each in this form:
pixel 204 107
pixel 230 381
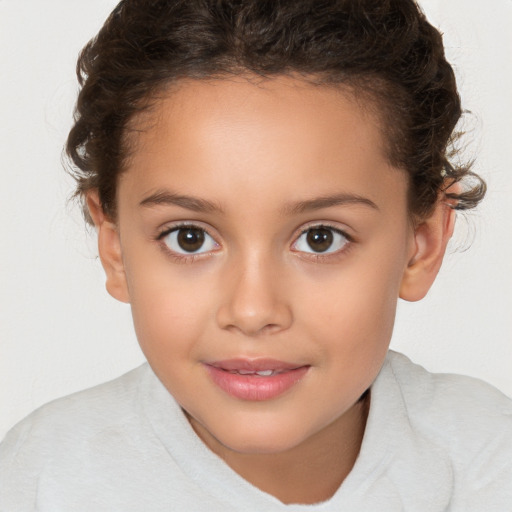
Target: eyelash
pixel 177 257
pixel 316 257
pixel 325 257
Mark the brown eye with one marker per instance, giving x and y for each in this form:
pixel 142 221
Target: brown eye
pixel 321 239
pixel 189 240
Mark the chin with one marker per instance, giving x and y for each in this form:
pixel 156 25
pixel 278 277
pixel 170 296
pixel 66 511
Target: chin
pixel 261 441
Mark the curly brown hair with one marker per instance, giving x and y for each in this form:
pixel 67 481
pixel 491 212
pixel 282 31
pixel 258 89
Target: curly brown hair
pixel 386 50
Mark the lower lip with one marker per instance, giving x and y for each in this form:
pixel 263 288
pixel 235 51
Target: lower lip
pixel 254 387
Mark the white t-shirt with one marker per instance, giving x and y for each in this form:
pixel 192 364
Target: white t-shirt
pixel 432 443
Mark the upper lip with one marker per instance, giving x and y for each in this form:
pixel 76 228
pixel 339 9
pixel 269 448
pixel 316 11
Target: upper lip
pixel 255 365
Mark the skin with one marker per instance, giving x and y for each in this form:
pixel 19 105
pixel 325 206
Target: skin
pixel 257 154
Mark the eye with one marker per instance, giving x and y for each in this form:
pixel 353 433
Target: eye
pixel 321 240
pixel 188 240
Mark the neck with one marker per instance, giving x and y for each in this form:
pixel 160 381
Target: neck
pixel 309 473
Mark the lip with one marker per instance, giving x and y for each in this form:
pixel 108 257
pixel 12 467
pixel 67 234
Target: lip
pixel 260 364
pixel 255 387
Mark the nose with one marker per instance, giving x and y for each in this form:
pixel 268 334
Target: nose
pixel 254 299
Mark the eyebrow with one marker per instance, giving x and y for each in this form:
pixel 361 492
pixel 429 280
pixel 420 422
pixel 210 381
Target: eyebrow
pixel 319 203
pixel 196 204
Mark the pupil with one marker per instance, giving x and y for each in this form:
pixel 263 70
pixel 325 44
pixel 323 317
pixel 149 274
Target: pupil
pixel 320 239
pixel 191 239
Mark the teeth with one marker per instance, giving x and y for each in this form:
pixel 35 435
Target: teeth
pixel 261 373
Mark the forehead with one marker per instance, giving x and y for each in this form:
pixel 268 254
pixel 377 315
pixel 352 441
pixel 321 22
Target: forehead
pixel 240 102
pixel 282 136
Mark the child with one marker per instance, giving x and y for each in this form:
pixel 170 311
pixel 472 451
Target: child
pixel 266 179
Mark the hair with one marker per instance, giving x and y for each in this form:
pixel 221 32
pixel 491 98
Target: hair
pixel 385 50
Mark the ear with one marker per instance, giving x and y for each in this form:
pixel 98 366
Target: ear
pixel 430 240
pixel 109 247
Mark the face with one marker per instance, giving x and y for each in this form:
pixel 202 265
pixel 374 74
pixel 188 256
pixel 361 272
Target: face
pixel 262 229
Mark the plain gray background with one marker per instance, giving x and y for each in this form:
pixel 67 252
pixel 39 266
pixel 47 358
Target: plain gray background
pixel 60 331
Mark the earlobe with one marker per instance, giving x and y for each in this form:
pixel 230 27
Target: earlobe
pixel 109 247
pixel 429 246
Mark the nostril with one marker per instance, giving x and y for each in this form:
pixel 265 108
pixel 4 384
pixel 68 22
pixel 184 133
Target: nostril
pixel 264 323
pixel 269 329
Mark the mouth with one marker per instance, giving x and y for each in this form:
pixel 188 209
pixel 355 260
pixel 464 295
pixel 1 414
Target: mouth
pixel 255 380
pixel 261 373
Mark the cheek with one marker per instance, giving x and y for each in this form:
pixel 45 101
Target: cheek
pixel 170 309
pixel 355 335
pixel 352 307
pixel 364 289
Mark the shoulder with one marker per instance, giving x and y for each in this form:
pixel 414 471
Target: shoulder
pixel 83 412
pixel 64 429
pixel 469 421
pixel 449 398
